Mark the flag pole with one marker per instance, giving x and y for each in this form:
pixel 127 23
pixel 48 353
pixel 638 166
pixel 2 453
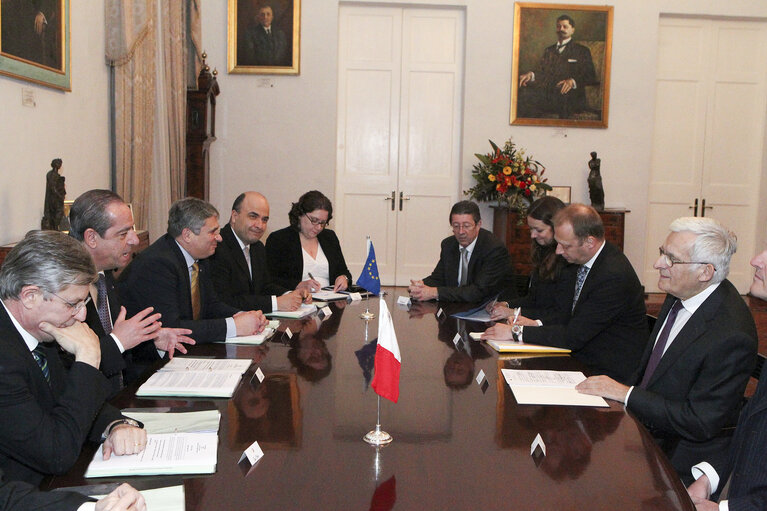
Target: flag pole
pixel 367 315
pixel 378 436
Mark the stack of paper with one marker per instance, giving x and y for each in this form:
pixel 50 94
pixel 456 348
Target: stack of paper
pixel 172 453
pixel 195 377
pixel 304 310
pixel 549 388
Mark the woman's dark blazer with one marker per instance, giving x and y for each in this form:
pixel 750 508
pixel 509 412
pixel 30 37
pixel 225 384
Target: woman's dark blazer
pixel 286 261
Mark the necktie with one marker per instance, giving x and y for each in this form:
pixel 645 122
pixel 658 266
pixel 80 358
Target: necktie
pixel 39 355
pixel 660 346
pixel 195 291
pixel 246 252
pixel 583 270
pixel 102 305
pixel 464 266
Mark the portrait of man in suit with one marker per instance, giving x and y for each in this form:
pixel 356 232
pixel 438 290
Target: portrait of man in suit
pixel 566 80
pixel 266 35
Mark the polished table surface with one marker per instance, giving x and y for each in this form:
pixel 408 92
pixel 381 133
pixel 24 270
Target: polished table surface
pixel 455 446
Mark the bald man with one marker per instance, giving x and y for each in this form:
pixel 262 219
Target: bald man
pixel 239 270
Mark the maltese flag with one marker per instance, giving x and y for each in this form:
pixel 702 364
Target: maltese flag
pixel 388 360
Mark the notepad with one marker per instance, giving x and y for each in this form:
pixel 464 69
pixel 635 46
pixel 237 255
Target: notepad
pixel 304 310
pixel 172 453
pixel 549 388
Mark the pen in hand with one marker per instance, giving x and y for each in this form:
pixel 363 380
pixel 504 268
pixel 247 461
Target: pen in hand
pixel 516 315
pixel 312 277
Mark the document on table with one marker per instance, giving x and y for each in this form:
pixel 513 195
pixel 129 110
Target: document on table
pixel 326 295
pixel 518 347
pixel 549 388
pixel 156 422
pixel 196 377
pixel 173 453
pixel 304 310
pixel 170 498
pixel 239 365
pixel 477 314
pixel 251 339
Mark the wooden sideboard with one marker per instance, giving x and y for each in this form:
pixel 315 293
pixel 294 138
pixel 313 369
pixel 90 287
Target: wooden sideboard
pixel 143 242
pixel 516 236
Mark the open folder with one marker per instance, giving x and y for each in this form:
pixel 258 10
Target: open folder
pixel 518 347
pixel 549 388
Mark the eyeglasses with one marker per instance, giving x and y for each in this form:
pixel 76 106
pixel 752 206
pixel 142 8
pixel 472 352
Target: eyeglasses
pixel 462 227
pixel 316 221
pixel 669 261
pixel 74 307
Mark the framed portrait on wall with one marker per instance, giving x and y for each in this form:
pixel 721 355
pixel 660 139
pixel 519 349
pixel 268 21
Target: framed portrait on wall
pixel 561 68
pixel 34 41
pixel 264 36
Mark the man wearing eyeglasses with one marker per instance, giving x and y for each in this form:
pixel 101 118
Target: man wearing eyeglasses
pixel 47 412
pixel 473 264
pixel 173 276
pixel 689 385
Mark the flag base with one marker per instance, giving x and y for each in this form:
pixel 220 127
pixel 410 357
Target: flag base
pixel 367 315
pixel 378 437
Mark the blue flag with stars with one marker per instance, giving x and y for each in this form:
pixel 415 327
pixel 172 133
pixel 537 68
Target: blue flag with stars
pixel 369 277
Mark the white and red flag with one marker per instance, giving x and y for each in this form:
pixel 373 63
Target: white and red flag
pixel 388 359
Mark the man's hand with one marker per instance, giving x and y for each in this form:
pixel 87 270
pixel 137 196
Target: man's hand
pixel 525 78
pixel 310 285
pixel 291 301
pixel 173 339
pixel 566 85
pixel 124 498
pixel 124 439
pixel 420 291
pixel 249 322
pixel 500 311
pixel 341 283
pixel 700 489
pixel 603 386
pixel 77 339
pixel 498 332
pixel 525 321
pixel 141 327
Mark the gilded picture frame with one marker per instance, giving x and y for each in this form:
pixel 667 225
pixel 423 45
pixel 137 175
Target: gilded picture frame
pixel 567 85
pixel 255 49
pixel 35 42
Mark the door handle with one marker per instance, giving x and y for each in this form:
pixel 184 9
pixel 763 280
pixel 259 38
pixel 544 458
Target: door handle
pixel 704 208
pixel 392 199
pixel 401 199
pixel 695 213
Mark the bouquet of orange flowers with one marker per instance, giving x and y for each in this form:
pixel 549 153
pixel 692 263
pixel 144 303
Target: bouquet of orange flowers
pixel 509 177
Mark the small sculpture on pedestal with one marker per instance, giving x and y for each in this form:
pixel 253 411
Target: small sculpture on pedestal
pixel 55 192
pixel 596 191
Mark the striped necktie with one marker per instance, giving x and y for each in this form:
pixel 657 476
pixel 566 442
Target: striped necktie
pixel 102 305
pixel 39 355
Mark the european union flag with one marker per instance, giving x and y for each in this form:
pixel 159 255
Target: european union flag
pixel 369 277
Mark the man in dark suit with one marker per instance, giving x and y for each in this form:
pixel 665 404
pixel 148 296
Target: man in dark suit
pixel 558 84
pixel 238 267
pixel 473 264
pixel 103 222
pixel 173 276
pixel 606 327
pixel 47 412
pixel 743 462
pixel 265 44
pixel 691 379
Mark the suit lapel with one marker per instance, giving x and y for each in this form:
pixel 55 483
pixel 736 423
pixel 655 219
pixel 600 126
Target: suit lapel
pixel 186 288
pixel 12 340
pixel 452 268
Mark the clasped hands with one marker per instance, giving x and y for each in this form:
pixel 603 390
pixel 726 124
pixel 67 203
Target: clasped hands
pixel 421 292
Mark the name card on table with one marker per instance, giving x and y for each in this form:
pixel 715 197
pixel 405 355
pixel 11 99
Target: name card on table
pixel 355 297
pixel 403 300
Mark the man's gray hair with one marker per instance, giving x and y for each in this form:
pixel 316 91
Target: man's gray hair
pixel 189 213
pixel 50 260
pixel 714 243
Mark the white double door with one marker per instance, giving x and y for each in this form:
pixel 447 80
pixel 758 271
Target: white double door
pixel 400 82
pixel 708 149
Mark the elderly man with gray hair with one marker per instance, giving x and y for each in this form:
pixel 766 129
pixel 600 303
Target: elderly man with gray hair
pixel 173 276
pixel 46 412
pixel 690 383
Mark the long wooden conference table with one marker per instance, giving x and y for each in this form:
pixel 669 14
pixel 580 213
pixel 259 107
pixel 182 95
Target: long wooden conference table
pixel 456 446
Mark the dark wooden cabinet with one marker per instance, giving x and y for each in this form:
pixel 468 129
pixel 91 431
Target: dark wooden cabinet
pixel 516 235
pixel 200 133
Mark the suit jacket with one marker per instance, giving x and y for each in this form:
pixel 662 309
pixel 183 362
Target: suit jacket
pixel 263 50
pixel 744 461
pixel 286 261
pixel 159 277
pixel 112 361
pixel 607 330
pixel 489 270
pixel 43 427
pixel 546 300
pixel 698 385
pixel 233 281
pixel 20 496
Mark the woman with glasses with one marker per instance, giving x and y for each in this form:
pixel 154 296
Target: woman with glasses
pixel 543 293
pixel 306 255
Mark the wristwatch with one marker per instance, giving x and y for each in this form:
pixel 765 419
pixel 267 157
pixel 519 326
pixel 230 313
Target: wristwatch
pixel 516 333
pixel 119 422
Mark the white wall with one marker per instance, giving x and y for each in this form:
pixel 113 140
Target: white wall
pixel 72 126
pixel 281 139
